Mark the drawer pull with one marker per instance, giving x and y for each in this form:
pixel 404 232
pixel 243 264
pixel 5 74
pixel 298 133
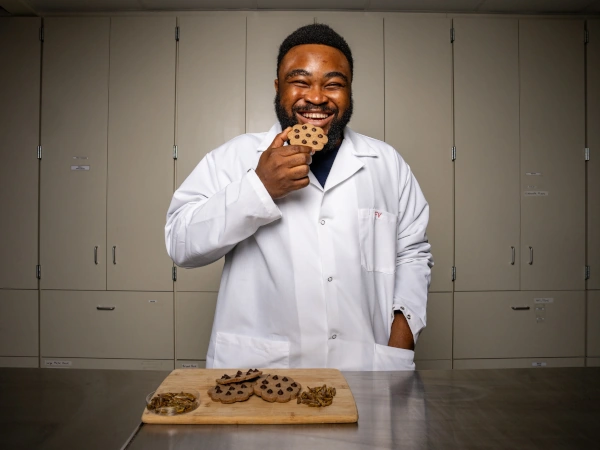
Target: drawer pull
pixel 114 252
pixel 512 260
pixel 105 308
pixel 520 308
pixel 530 256
pixel 96 255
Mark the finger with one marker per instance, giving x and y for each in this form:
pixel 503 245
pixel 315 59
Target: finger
pixel 299 172
pixel 301 183
pixel 289 150
pixel 280 138
pixel 298 159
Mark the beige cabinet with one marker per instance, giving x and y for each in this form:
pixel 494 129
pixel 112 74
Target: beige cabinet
pixel 20 51
pixel 141 123
pixel 364 34
pixel 435 341
pixel 418 122
pixel 18 323
pixel 92 324
pixel 74 141
pixel 519 324
pixel 552 124
pixel 266 31
pixel 518 363
pixel 486 109
pixel 210 105
pixel 593 324
pixel 195 312
pixel 593 143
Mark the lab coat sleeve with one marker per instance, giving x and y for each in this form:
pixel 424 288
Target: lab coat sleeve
pixel 413 256
pixel 213 211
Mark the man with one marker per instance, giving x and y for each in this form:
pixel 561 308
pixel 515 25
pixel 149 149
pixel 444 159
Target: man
pixel 326 258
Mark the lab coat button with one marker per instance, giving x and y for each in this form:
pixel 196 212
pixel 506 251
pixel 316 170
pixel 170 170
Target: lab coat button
pixel 334 336
pixel 402 308
pixel 408 316
pixel 322 222
pixel 330 279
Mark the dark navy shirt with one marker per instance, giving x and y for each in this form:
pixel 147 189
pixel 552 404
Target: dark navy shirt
pixel 321 164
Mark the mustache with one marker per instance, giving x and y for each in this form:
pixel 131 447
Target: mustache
pixel 314 108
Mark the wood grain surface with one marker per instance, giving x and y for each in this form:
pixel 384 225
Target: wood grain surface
pixel 255 410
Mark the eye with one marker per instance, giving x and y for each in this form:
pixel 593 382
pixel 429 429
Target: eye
pixel 300 83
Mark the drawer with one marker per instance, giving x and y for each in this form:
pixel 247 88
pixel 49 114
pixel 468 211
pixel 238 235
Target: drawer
pixel 195 314
pixel 20 361
pixel 518 363
pixel 18 323
pixel 96 324
pixel 441 364
pixel 592 362
pixel 593 323
pixel 435 341
pixel 107 364
pixel 519 324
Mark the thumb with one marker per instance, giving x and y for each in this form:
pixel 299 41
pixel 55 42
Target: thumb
pixel 280 138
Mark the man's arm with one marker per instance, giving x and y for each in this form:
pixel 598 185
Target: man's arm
pixel 400 335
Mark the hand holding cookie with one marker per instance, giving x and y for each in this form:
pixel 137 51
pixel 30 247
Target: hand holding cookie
pixel 283 169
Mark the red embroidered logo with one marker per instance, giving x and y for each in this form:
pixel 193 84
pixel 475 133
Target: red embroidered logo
pixel 377 214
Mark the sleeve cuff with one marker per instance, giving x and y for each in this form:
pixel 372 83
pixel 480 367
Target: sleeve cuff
pixel 414 322
pixel 262 193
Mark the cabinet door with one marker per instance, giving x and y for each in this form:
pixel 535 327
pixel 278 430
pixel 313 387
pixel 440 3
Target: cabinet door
pixel 74 139
pixel 552 118
pixel 593 142
pixel 593 324
pixel 18 323
pixel 210 105
pixel 364 34
pixel 266 32
pixel 141 125
pixel 195 314
pixel 519 324
pixel 435 341
pixel 20 49
pixel 418 122
pixel 88 324
pixel 486 108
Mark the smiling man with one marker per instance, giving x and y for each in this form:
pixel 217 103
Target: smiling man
pixel 326 258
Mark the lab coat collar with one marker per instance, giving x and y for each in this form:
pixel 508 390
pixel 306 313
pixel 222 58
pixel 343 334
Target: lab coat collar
pixel 358 146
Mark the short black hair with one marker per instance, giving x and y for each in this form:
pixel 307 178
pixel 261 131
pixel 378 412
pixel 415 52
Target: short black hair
pixel 315 33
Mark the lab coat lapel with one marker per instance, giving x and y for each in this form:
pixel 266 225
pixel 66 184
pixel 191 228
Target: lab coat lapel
pixel 348 160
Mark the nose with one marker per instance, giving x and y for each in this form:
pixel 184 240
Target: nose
pixel 315 95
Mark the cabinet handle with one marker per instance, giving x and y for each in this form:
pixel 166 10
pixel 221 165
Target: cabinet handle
pixel 96 255
pixel 512 259
pixel 530 256
pixel 114 251
pixel 520 308
pixel 105 308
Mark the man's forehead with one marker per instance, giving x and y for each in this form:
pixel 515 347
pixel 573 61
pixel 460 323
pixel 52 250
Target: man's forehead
pixel 314 53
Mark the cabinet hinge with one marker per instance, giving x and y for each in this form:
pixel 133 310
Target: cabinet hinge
pixel 586 36
pixel 38 272
pixel 177 33
pixel 587 272
pixel 453 154
pixel 452 35
pixel 39 149
pixel 453 273
pixel 174 273
pixel 175 152
pixel 587 154
pixel 42 34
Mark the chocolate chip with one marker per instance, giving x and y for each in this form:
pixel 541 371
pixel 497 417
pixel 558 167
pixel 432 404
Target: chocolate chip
pixel 297 136
pixel 289 389
pixel 275 377
pixel 228 393
pixel 231 388
pixel 284 379
pixel 262 386
pixel 307 134
pixel 265 382
pixel 278 385
pixel 244 386
pixel 270 391
pixel 320 136
pixel 296 130
pixel 280 392
pixel 225 377
pixel 304 141
pixel 304 127
pixel 240 392
pixel 239 372
pixel 294 385
pixel 314 129
pixel 315 142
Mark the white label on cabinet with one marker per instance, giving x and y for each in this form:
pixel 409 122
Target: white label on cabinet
pixel 536 193
pixel 80 157
pixel 152 301
pixel 80 167
pixel 531 186
pixel 53 363
pixel 543 300
pixel 189 366
pixel 538 364
pixel 535 174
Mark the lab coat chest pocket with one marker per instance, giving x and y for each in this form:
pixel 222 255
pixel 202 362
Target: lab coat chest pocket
pixel 377 233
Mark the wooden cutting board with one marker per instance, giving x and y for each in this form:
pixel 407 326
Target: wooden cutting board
pixel 255 410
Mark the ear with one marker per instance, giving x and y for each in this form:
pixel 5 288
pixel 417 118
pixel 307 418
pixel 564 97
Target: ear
pixel 277 85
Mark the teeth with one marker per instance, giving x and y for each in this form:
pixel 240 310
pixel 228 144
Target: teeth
pixel 315 115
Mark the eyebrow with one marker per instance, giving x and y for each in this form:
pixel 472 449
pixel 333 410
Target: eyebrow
pixel 306 73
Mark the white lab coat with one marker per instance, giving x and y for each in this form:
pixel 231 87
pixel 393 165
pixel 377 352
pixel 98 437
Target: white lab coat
pixel 312 279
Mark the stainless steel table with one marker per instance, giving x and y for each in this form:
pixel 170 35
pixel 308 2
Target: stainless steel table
pixel 472 409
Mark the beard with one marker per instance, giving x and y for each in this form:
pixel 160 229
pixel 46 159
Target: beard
pixel 336 129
